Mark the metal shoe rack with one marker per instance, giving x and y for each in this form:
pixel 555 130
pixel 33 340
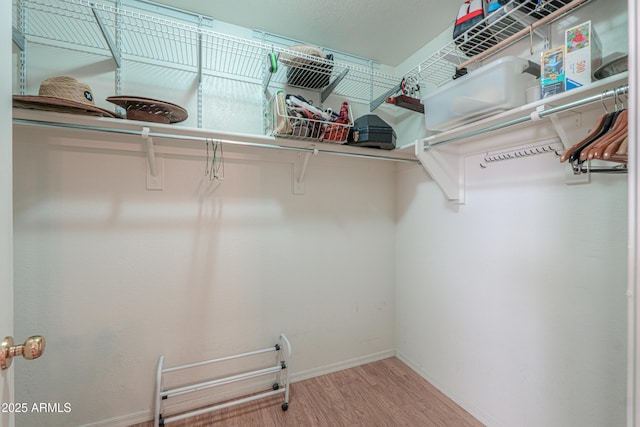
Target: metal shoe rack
pixel 280 385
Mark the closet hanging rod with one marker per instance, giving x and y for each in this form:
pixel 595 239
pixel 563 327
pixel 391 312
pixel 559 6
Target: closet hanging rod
pixel 314 149
pixel 553 110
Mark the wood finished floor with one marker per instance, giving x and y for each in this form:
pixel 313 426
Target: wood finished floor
pixel 383 393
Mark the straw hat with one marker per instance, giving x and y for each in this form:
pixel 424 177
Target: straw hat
pixel 63 94
pixel 150 110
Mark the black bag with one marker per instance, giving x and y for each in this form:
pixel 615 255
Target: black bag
pixel 371 131
pixel 472 39
pixel 313 75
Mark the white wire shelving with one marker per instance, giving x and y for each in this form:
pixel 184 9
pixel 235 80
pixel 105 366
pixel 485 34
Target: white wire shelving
pixel 135 30
pixel 516 20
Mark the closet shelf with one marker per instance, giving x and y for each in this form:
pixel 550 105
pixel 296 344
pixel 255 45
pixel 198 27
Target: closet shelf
pixel 442 154
pixel 184 137
pixel 523 114
pixel 167 37
pixel 502 28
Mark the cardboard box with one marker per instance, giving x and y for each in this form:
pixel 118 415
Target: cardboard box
pixel 552 78
pixel 583 55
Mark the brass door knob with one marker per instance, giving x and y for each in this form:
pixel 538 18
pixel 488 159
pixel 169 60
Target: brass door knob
pixel 32 348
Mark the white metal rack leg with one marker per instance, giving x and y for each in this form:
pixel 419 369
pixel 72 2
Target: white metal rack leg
pixel 279 386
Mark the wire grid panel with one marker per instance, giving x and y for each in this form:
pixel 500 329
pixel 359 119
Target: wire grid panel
pixel 65 21
pixel 171 40
pixel 499 26
pixel 365 85
pixel 144 35
pixel 232 56
pixel 155 38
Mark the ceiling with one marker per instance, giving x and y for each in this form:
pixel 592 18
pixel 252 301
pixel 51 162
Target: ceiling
pixel 383 30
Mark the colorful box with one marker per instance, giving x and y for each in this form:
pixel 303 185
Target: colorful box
pixel 583 55
pixel 552 78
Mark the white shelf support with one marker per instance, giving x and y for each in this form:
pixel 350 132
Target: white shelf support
pixel 560 129
pixel 115 51
pixel 300 171
pixel 332 86
pixel 155 167
pixel 18 38
pixel 151 152
pixel 446 168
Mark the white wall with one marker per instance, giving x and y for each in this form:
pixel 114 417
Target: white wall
pixel 514 304
pixel 115 276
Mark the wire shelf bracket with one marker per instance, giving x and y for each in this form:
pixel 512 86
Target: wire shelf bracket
pixel 115 51
pixel 18 38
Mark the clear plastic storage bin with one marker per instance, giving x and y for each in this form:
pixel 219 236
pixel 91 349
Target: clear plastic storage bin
pixel 498 86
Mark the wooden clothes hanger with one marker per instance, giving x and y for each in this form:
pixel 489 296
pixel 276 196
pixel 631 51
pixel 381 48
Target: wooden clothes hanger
pixel 600 124
pixel 611 141
pixel 613 137
pixel 603 123
pixel 622 155
pixel 614 142
pixel 605 139
pixel 609 120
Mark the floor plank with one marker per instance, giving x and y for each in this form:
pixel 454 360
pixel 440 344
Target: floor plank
pixel 379 394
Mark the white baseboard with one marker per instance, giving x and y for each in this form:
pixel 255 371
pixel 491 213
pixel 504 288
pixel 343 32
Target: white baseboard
pixel 342 365
pixel 125 420
pixel 144 416
pixel 467 406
